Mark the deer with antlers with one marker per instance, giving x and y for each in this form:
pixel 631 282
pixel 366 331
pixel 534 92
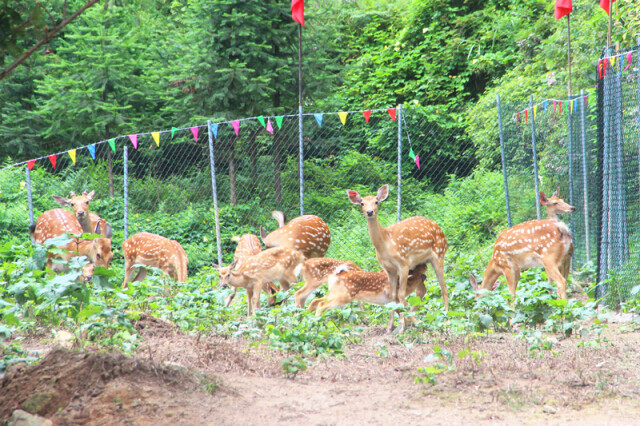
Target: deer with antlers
pixel 308 234
pixel 56 222
pixel 541 242
pixel 315 272
pixel 145 248
pixel 403 245
pixel 80 205
pixel 279 264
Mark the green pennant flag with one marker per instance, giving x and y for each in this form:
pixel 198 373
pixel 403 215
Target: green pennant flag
pixel 173 130
pixel 412 154
pixel 279 121
pixel 261 120
pixel 112 144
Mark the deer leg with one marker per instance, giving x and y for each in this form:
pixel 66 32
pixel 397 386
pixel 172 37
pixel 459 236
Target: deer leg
pixel 230 299
pixel 256 297
pixel 315 303
pixel 512 276
pixel 403 276
pixel 390 323
pixel 393 284
pixel 305 291
pixel 142 273
pixel 129 273
pixel 554 274
pixel 438 267
pixel 565 266
pixel 249 302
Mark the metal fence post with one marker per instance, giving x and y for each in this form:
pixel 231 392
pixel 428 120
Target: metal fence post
pixel 30 196
pixel 622 238
pixel 214 189
pixel 638 62
pixel 584 175
pixel 399 118
pixel 605 225
pixel 504 162
pixel 535 156
pixel 126 192
pixel 570 161
pixel 301 159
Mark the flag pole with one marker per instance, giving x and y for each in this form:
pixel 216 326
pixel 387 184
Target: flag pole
pixel 610 25
pixel 569 53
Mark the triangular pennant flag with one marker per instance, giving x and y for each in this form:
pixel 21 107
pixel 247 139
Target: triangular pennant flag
pixel 418 161
pixel 30 164
pixel 560 107
pixel 555 106
pixel 194 132
pixel 214 130
pixel 92 151
pixel 605 5
pixel 279 121
pixel 545 106
pixel 173 130
pixel 629 56
pixel 575 105
pixel 72 154
pixel 570 107
pixel 134 140
pixel 112 144
pixel 343 117
pixel 586 100
pixel 526 115
pixel 563 7
pixel 52 159
pixel 535 111
pixel 367 115
pixel 269 126
pixel 236 126
pixel 318 119
pixel 261 120
pixel 392 113
pixel 517 118
pixel 613 61
pixel 156 137
pixel 412 155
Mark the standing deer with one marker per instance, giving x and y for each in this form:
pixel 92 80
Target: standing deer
pixel 80 206
pixel 540 242
pixel 403 245
pixel 56 222
pixel 145 248
pixel 308 234
pixel 315 272
pixel 347 285
pixel 275 264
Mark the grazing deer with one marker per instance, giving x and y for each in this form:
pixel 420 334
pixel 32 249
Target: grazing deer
pixel 145 248
pixel 275 264
pixel 316 272
pixel 540 242
pixel 80 206
pixel 347 285
pixel 308 234
pixel 56 222
pixel 248 245
pixel 403 245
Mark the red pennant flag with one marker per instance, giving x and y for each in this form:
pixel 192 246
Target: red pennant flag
pixel 605 5
pixel 560 107
pixel 517 118
pixel 526 115
pixel 30 164
pixel 563 8
pixel 367 115
pixel 53 158
pixel 628 60
pixel 297 11
pixel 392 113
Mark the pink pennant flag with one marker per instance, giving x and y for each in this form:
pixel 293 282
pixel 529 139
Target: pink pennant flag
pixel 269 126
pixel 586 100
pixel 53 158
pixel 134 140
pixel 194 130
pixel 236 126
pixel 392 113
pixel 30 164
pixel 628 60
pixel 367 115
pixel 418 161
pixel 554 106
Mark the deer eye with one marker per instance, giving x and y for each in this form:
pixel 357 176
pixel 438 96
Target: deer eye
pixel 72 204
pixel 98 256
pixel 362 204
pixel 377 202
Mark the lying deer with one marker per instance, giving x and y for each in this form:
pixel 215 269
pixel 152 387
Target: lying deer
pixel 80 206
pixel 347 285
pixel 403 245
pixel 145 248
pixel 56 222
pixel 275 264
pixel 316 272
pixel 308 234
pixel 541 242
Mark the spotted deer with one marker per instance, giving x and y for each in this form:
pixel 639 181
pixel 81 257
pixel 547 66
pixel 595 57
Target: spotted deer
pixel 56 222
pixel 403 245
pixel 80 206
pixel 308 234
pixel 347 285
pixel 540 242
pixel 279 264
pixel 315 272
pixel 145 248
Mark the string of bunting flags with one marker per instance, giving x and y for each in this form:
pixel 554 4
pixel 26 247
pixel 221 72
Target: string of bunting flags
pixel 611 61
pixel 266 122
pixel 557 106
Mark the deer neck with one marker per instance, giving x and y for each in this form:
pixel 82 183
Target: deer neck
pixel 379 235
pixel 552 215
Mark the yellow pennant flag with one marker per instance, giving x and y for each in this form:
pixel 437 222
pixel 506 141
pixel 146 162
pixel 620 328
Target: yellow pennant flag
pixel 72 154
pixel 535 110
pixel 570 107
pixel 343 117
pixel 612 60
pixel 156 137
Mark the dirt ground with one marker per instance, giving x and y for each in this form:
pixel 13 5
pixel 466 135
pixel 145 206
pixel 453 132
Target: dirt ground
pixel 180 379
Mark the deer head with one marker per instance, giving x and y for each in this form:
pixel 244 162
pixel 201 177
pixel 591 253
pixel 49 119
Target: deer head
pixel 225 272
pixel 474 284
pixel 555 205
pixel 370 203
pixel 79 204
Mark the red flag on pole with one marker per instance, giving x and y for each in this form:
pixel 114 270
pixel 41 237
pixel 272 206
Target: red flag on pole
pixel 297 11
pixel 564 7
pixel 605 5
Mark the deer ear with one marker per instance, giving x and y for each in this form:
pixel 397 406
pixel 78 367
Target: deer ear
pixel 72 194
pixel 97 230
pixel 108 231
pixel 354 197
pixel 473 282
pixel 233 265
pixel 90 195
pixel 557 193
pixel 64 202
pixel 543 199
pixel 263 234
pixel 383 193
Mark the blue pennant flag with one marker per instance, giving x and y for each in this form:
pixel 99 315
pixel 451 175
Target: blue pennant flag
pixel 545 106
pixel 92 151
pixel 214 129
pixel 318 119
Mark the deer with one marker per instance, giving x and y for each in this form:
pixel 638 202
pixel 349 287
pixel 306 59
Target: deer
pixel 56 222
pixel 315 272
pixel 347 285
pixel 80 206
pixel 540 242
pixel 145 248
pixel 308 234
pixel 403 245
pixel 279 264
pixel 248 245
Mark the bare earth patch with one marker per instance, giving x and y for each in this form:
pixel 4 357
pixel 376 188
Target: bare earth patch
pixel 180 379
